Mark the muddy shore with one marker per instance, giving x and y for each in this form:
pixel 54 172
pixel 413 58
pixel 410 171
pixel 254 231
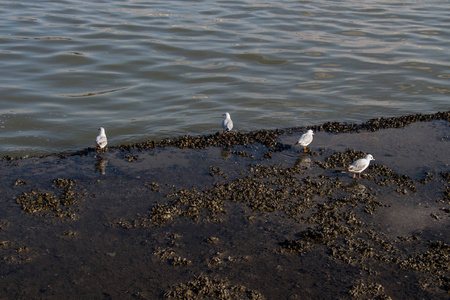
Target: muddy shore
pixel 245 216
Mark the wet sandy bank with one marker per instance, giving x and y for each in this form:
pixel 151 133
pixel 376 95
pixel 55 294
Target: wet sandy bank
pixel 246 216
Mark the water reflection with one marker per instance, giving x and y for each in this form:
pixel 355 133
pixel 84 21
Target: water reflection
pixel 225 153
pixel 357 188
pixel 100 164
pixel 303 162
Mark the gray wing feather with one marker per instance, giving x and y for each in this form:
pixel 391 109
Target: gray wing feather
pixel 227 124
pixel 305 139
pixel 359 165
pixel 101 141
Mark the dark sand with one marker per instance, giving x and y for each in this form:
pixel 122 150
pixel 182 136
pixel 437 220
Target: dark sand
pixel 259 220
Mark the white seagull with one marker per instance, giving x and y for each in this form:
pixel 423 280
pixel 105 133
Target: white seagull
pixel 360 165
pixel 101 141
pixel 305 139
pixel 227 123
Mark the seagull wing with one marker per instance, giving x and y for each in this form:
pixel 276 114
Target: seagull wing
pixel 359 165
pixel 305 139
pixel 227 124
pixel 101 141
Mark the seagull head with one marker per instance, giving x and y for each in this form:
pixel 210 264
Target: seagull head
pixel 369 157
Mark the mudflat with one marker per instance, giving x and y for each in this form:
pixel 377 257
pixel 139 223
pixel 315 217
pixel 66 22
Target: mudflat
pixel 240 216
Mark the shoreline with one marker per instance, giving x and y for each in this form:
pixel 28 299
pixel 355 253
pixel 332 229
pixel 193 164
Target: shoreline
pixel 266 137
pixel 247 216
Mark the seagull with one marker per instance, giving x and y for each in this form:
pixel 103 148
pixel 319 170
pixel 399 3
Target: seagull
pixel 360 165
pixel 227 124
pixel 305 139
pixel 101 141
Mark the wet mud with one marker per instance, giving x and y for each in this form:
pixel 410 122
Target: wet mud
pixel 241 216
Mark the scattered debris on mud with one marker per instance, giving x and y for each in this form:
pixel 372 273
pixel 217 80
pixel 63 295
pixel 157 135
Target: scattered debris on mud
pixel 369 291
pixel 202 287
pixel 49 204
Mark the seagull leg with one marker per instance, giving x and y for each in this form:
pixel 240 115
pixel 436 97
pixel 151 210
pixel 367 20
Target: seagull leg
pixel 304 149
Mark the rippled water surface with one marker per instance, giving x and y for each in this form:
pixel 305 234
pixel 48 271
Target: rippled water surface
pixel 155 69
